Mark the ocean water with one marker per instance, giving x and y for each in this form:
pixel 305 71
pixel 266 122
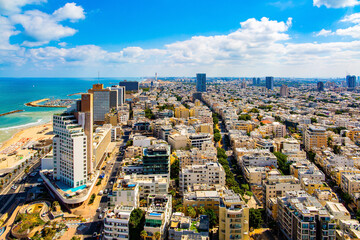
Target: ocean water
pixel 15 92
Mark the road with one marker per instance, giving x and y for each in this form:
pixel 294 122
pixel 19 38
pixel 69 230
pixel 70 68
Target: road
pixel 112 169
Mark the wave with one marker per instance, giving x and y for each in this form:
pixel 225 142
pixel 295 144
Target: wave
pixel 39 121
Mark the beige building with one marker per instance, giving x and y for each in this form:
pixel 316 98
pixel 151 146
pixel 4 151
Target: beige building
pixel 178 141
pixel 350 183
pixel 209 173
pixel 101 141
pixel 277 186
pixel 182 112
pixel 233 217
pixel 315 137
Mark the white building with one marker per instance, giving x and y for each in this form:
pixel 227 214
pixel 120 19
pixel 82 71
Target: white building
pixel 209 173
pixel 116 223
pixel 69 150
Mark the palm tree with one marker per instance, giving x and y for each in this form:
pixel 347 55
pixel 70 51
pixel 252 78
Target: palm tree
pixel 143 234
pixel 157 235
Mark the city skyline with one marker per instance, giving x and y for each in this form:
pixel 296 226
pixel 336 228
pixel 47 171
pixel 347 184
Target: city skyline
pixel 278 38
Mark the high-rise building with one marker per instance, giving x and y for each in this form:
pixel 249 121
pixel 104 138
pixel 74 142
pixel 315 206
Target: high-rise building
pixel 284 91
pixel 156 159
pixel 104 100
pixel 258 81
pixel 351 82
pixel 254 81
pixel 201 82
pixel 130 85
pixel 72 143
pixel 121 94
pixel 315 137
pixel 269 83
pixel 320 86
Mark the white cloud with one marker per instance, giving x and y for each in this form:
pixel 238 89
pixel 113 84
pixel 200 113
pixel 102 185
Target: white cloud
pixel 14 6
pixel 335 3
pixel 353 18
pixel 69 11
pixel 325 33
pixel 6 31
pixel 353 32
pixel 258 47
pixel 43 27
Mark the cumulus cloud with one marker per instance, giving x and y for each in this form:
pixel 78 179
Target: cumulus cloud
pixel 325 33
pixel 6 31
pixel 14 6
pixel 353 18
pixel 43 27
pixel 69 11
pixel 335 3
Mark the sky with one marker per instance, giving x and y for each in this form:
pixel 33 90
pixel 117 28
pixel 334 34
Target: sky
pixel 136 38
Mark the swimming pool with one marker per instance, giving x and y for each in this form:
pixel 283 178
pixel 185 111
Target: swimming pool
pixel 66 188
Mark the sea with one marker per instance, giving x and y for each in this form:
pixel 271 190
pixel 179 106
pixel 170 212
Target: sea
pixel 15 92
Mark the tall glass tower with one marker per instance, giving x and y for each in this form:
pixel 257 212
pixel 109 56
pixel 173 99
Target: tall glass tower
pixel 201 82
pixel 270 83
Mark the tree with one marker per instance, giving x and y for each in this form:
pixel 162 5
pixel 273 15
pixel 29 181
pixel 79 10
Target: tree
pixel 283 165
pixel 217 137
pixel 201 210
pixel 313 120
pixel 174 171
pixel 255 218
pixel 244 117
pixel 157 235
pixel 212 217
pixel 136 223
pixel 143 234
pixel 191 212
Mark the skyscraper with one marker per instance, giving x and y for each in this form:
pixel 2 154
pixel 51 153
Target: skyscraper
pixel 320 86
pixel 254 82
pixel 104 100
pixel 130 85
pixel 121 94
pixel 284 91
pixel 258 81
pixel 351 82
pixel 201 82
pixel 71 153
pixel 269 83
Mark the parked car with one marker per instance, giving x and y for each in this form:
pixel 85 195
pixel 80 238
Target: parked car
pixel 99 209
pixel 14 187
pixel 100 216
pixel 94 234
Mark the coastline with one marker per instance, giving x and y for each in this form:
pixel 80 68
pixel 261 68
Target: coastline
pixel 23 136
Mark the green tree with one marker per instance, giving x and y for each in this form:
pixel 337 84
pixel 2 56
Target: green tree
pixel 136 223
pixel 213 220
pixel 201 210
pixel 217 137
pixel 191 212
pixel 143 234
pixel 255 218
pixel 174 171
pixel 244 117
pixel 283 165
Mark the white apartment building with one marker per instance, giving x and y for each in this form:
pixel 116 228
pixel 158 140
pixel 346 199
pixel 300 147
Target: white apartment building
pixel 209 173
pixel 259 159
pixel 125 194
pixel 197 140
pixel 116 223
pixel 148 184
pixel 69 150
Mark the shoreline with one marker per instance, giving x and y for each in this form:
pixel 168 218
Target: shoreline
pixel 23 135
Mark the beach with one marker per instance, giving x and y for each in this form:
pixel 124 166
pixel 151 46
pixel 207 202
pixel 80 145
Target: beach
pixel 12 152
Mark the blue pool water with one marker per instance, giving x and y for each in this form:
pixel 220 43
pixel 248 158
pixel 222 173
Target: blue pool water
pixel 155 214
pixel 66 188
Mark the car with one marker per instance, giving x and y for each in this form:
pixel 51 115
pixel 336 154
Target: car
pixel 106 191
pixel 104 210
pixel 43 215
pixel 111 183
pixel 14 187
pixel 100 216
pixel 94 234
pixel 99 209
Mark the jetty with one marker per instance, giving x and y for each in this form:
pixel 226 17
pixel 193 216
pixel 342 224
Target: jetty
pixel 11 112
pixel 46 102
pixel 73 94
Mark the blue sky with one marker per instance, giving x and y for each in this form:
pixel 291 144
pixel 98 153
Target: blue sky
pixel 293 38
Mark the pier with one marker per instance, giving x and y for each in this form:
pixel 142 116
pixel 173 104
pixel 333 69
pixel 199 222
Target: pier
pixel 11 112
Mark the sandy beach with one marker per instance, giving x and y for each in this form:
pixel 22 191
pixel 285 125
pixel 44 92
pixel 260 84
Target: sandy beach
pixel 11 151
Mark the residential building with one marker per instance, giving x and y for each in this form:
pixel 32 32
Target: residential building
pixel 301 216
pixel 315 137
pixel 156 159
pixel 284 91
pixel 104 100
pixel 209 173
pixel 116 223
pixel 199 140
pixel 181 225
pixel 233 217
